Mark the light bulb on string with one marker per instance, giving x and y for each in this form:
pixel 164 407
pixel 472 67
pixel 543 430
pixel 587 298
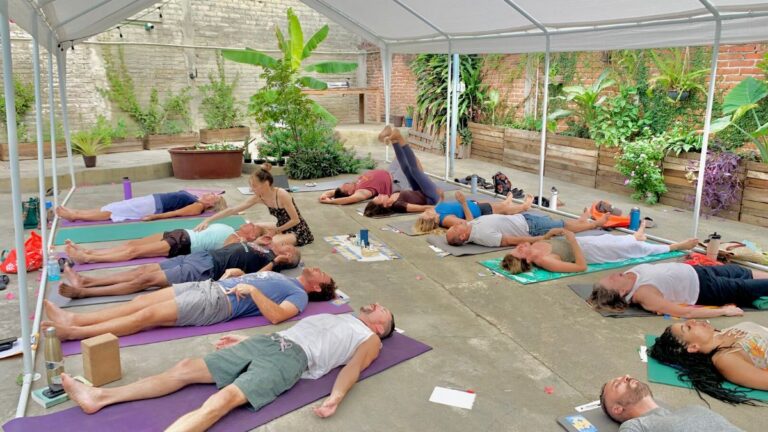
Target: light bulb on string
pixel 120 32
pixel 160 10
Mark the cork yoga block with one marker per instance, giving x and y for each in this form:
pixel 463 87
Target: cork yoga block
pixel 101 359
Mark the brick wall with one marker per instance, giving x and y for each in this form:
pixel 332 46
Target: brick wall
pixel 154 61
pixel 403 91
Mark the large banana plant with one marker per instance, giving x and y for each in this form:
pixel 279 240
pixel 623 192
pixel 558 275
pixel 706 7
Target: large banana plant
pixel 743 99
pixel 586 99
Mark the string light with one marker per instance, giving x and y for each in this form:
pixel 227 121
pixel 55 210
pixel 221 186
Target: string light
pixel 120 32
pixel 160 9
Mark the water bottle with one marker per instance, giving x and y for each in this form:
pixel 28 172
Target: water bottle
pixel 364 242
pixel 553 199
pixel 713 246
pixel 54 363
pixel 127 191
pixel 634 218
pixel 473 184
pixel 54 272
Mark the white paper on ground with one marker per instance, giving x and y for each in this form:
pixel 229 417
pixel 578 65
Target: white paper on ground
pixel 643 352
pixel 245 190
pixel 450 397
pixel 588 406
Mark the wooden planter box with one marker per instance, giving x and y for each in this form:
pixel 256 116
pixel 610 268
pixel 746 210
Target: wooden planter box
pixel 487 142
pixel 212 136
pixel 608 178
pixel 571 159
pixel 124 145
pixel 191 164
pixel 522 150
pixel 152 142
pixel 28 150
pixel 754 203
pixel 681 193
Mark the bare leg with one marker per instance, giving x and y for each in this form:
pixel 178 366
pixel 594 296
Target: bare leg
pixel 92 399
pixel 508 207
pixel 78 280
pixel 140 283
pixel 85 215
pixel 580 225
pixel 686 245
pixel 157 315
pixel 214 408
pixel 121 253
pixel 60 316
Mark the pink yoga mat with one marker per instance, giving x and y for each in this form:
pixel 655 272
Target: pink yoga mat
pixel 96 266
pixel 158 414
pixel 161 334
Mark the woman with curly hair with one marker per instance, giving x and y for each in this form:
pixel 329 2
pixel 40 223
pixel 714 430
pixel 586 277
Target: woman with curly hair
pixel 706 357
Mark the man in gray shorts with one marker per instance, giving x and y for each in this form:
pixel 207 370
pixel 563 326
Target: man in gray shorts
pixel 630 402
pixel 269 294
pixel 257 369
pixel 232 260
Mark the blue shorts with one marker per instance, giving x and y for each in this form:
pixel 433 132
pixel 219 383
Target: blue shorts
pixel 194 267
pixel 540 224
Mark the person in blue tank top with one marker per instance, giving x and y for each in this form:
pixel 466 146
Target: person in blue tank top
pixel 201 303
pixel 167 244
pixel 148 207
pixel 449 213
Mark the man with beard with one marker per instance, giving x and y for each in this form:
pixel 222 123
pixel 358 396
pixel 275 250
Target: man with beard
pixel 630 402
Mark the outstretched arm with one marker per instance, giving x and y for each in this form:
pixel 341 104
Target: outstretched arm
pixel 193 209
pixel 359 195
pixel 365 354
pixel 250 202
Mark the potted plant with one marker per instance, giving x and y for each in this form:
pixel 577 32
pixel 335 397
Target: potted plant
pixel 220 108
pixel 675 76
pixel 207 161
pixel 409 116
pixel 90 143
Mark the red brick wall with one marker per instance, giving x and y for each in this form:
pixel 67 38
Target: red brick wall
pixel 403 85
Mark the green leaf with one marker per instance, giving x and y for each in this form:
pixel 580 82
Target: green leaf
pixel 313 83
pixel 324 113
pixel 314 41
pixel 281 41
pixel 762 131
pixel 249 57
pixel 748 91
pixel 297 40
pixel 740 111
pixel 331 67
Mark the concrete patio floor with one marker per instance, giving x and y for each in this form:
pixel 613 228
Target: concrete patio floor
pixel 505 341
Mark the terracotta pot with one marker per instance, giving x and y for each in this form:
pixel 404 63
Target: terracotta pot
pixel 190 164
pixel 89 161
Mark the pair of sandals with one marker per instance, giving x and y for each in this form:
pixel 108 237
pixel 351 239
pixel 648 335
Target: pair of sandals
pixel 481 182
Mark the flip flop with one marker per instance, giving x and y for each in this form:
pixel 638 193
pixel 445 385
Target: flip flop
pixel 63 261
pixel 4 281
pixel 649 223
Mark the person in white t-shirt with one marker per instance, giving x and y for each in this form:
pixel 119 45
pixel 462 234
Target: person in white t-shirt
pixel 673 289
pixel 257 369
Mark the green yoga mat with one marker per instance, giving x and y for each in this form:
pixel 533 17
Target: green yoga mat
pixel 130 231
pixel 663 374
pixel 541 275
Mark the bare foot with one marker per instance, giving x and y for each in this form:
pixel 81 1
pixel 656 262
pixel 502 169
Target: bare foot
pixel 57 314
pixel 77 255
pixel 69 291
pixel 602 220
pixel 640 233
pixel 395 137
pixel 64 213
pixel 74 245
pixel 75 281
pixel 385 133
pixel 690 244
pixel 86 397
pixel 528 202
pixel 63 332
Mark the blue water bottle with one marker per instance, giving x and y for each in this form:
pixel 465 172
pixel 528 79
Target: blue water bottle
pixel 634 219
pixel 364 242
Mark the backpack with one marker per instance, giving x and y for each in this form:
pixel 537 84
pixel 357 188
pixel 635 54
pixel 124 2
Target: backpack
pixel 501 184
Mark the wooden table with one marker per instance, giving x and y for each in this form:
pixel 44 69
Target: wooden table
pixel 361 92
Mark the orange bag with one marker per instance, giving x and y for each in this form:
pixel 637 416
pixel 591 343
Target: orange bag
pixel 33 252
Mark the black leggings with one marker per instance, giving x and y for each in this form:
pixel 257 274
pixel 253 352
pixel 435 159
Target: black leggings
pixel 416 177
pixel 719 285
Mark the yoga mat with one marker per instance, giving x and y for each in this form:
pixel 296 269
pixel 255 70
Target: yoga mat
pixel 540 275
pixel 96 266
pixel 361 209
pixel 66 223
pixel 465 249
pixel 664 374
pixel 581 421
pixel 132 231
pixel 405 227
pixel 584 290
pixel 159 413
pixel 65 302
pixel 161 334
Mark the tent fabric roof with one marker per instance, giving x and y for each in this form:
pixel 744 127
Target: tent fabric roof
pixel 518 26
pixel 71 20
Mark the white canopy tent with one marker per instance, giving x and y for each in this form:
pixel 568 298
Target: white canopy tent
pixel 397 26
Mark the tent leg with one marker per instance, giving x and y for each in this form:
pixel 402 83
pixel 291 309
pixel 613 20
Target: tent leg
pixel 52 120
pixel 386 66
pixel 61 63
pixel 448 118
pixel 456 76
pixel 544 115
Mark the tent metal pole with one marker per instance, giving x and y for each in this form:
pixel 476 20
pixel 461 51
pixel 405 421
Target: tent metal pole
pixel 447 115
pixel 18 226
pixel 707 118
pixel 545 106
pixel 454 112
pixel 61 63
pixel 52 124
pixel 386 69
pixel 40 143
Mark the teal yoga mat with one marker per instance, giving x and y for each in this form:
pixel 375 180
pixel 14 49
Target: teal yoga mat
pixel 663 374
pixel 135 230
pixel 541 275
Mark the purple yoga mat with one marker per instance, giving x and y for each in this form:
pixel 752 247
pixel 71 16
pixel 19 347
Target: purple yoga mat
pixel 65 223
pixel 161 334
pixel 96 266
pixel 159 413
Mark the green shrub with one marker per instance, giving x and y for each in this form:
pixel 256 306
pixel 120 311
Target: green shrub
pixel 640 162
pixel 218 105
pixel 327 160
pixel 24 93
pixel 618 119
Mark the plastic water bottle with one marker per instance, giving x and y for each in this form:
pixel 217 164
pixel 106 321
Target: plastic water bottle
pixel 127 190
pixel 54 362
pixel 713 246
pixel 54 273
pixel 553 199
pixel 634 218
pixel 473 184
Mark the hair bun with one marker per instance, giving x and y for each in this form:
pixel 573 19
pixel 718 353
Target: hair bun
pixel 266 166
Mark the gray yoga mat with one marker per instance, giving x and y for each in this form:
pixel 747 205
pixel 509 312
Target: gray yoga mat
pixel 466 249
pixel 405 227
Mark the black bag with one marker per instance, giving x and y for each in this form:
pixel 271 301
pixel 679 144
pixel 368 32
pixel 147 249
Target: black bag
pixel 501 184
